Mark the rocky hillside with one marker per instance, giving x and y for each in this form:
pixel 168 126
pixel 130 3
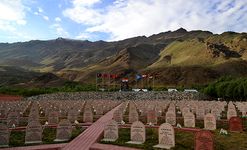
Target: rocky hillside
pixel 176 58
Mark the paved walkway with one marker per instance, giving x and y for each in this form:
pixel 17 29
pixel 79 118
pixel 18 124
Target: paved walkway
pixel 91 135
pixel 98 146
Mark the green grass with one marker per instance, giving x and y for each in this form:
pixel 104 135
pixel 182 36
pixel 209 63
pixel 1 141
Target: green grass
pixel 184 140
pixel 17 138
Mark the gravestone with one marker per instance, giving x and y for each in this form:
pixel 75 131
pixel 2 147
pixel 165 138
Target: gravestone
pixel 3 112
pixel 88 115
pixel 53 117
pixel 171 117
pixel 209 122
pixel 73 115
pixel 200 111
pixel 204 140
pixel 189 120
pixel 4 135
pixel 13 118
pixel 152 117
pixel 111 131
pixel 118 116
pixel 235 124
pixel 137 133
pixel 64 130
pixel 166 136
pixel 231 113
pixel 33 133
pixel 133 116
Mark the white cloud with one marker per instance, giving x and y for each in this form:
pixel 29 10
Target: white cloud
pixel 46 18
pixel 83 36
pixel 40 10
pixel 60 31
pixel 12 11
pixel 57 19
pixel 85 2
pixel 128 18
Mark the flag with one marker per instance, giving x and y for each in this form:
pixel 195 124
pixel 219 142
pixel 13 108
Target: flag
pixel 125 80
pixel 105 75
pixel 113 76
pixel 138 77
pixel 99 75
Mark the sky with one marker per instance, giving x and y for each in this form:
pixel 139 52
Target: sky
pixel 111 20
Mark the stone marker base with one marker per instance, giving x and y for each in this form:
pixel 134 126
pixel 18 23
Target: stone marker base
pixel 134 142
pixel 33 142
pixel 60 140
pixel 2 146
pixel 109 140
pixel 162 146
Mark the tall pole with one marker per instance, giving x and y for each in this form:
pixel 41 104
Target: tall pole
pixel 96 82
pixel 153 82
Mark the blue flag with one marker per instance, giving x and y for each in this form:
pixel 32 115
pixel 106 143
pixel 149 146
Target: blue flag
pixel 138 77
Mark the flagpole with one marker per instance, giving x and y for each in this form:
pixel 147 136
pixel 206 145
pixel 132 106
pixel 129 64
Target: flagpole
pixel 153 82
pixel 96 82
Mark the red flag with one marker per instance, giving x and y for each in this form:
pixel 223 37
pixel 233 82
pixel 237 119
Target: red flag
pixel 125 80
pixel 99 75
pixel 105 75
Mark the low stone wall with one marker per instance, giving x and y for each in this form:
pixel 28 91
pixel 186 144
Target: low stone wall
pixel 120 96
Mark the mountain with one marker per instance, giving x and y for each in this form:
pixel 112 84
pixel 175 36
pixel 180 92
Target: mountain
pixel 176 57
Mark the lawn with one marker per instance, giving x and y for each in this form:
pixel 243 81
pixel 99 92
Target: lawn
pixel 17 138
pixel 184 140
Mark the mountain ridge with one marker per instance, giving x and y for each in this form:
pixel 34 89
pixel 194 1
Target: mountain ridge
pixel 166 53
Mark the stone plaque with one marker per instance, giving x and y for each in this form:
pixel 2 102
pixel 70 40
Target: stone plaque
pixel 204 140
pixel 235 124
pixel 33 133
pixel 166 136
pixel 88 115
pixel 53 117
pixel 64 130
pixel 4 135
pixel 189 120
pixel 171 117
pixel 133 116
pixel 231 113
pixel 73 115
pixel 118 116
pixel 209 122
pixel 111 131
pixel 152 117
pixel 13 118
pixel 138 133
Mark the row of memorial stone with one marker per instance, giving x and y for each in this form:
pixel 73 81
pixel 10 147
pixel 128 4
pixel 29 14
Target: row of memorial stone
pixel 34 132
pixel 72 111
pixel 119 96
pixel 188 116
pixel 166 134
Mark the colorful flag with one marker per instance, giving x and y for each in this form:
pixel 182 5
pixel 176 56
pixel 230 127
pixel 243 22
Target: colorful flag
pixel 138 77
pixel 105 75
pixel 125 80
pixel 99 75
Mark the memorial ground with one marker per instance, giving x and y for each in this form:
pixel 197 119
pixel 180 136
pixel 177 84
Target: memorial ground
pixel 101 120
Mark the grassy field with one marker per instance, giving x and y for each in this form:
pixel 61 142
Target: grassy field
pixel 17 138
pixel 184 140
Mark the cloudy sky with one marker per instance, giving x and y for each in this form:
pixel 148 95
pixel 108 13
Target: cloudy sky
pixel 23 20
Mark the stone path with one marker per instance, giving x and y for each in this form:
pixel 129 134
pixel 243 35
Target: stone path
pixel 98 146
pixel 91 135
